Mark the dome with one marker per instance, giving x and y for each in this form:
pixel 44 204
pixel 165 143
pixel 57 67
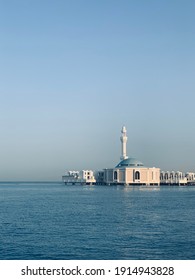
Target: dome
pixel 130 162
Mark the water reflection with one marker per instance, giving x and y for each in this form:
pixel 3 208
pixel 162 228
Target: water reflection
pixel 141 188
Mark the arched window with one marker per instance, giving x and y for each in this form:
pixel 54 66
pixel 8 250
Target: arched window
pixel 115 175
pixel 137 175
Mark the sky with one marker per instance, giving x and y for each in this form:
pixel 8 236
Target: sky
pixel 73 72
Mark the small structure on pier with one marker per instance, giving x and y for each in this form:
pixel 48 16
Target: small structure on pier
pixel 173 178
pixel 84 177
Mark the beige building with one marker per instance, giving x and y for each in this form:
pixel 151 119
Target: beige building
pixel 131 171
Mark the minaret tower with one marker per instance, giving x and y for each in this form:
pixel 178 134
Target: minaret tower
pixel 123 143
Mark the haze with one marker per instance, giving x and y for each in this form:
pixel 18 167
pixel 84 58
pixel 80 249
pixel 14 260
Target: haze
pixel 74 72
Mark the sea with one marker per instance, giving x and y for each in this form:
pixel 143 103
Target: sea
pixel 52 221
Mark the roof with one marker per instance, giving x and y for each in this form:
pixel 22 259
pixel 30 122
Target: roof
pixel 130 162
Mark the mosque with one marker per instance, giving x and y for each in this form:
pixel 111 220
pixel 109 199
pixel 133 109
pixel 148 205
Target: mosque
pixel 130 171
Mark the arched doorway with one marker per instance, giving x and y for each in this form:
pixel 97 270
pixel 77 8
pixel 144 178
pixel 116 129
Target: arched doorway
pixel 115 175
pixel 137 175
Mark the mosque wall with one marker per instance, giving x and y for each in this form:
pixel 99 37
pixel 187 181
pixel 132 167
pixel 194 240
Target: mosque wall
pixel 153 175
pixel 108 175
pixel 136 176
pixel 129 175
pixel 144 175
pixel 121 178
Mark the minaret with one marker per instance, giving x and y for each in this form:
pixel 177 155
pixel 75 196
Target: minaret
pixel 124 143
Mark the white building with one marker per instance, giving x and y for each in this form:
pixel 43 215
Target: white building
pixel 131 171
pixel 79 177
pixel 87 176
pixel 190 176
pixel 172 178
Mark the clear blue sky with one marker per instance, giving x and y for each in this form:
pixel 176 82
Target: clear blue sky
pixel 73 72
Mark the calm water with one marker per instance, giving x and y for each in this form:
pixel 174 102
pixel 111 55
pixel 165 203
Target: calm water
pixel 53 221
